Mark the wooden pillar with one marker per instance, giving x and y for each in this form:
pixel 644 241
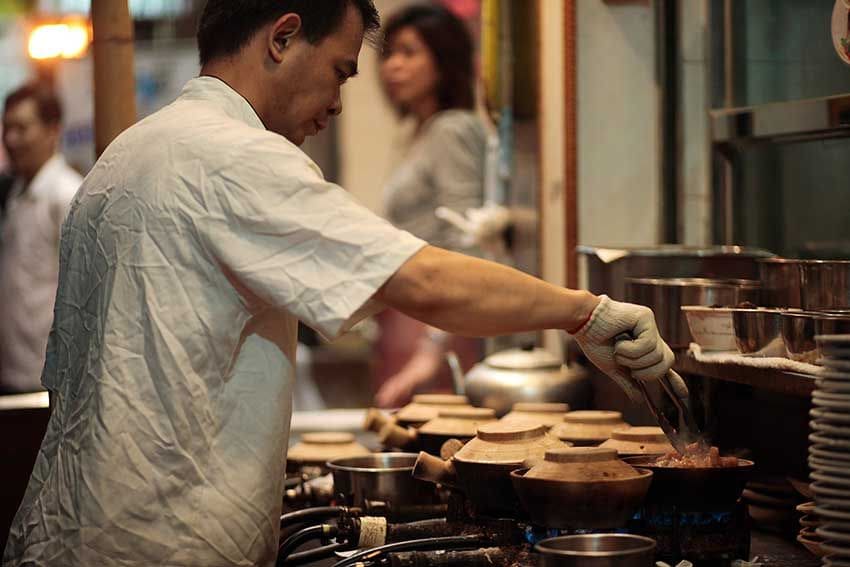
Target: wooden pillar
pixel 570 143
pixel 114 76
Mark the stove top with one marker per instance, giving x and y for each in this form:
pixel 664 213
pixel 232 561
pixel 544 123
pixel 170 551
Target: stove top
pixel 704 538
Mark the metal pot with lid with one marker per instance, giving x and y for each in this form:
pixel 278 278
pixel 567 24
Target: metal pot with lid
pixel 527 374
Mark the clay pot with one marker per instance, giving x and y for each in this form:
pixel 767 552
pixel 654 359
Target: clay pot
pixel 581 488
pixel 316 449
pixel 481 468
pixel 460 423
pixel 639 441
pixel 588 428
pixel 548 414
pixel 422 409
pixel 425 407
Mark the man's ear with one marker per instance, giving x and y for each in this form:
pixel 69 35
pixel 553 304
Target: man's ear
pixel 281 33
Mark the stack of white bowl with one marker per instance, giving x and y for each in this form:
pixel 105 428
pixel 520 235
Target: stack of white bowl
pixel 829 451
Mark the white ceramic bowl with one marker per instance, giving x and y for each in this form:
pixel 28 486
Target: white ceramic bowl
pixel 711 327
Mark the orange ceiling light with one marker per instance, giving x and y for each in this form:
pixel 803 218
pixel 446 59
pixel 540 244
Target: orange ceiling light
pixel 61 40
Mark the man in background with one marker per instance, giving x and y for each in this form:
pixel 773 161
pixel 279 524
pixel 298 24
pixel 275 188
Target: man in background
pixel 31 216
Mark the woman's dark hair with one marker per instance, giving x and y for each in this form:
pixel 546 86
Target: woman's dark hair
pixel 49 107
pixel 450 43
pixel 227 25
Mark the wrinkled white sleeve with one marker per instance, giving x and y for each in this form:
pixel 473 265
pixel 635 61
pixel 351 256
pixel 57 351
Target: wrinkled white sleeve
pixel 299 242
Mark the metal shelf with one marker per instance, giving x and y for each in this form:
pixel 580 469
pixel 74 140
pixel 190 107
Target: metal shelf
pixel 782 382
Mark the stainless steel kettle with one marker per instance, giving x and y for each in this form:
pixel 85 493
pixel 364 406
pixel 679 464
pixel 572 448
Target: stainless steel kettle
pixel 525 374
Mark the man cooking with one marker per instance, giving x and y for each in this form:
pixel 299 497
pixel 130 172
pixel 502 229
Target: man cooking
pixel 200 238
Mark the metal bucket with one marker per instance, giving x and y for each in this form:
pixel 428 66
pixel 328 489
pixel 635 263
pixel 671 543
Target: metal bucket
pixel 825 284
pixel 606 269
pixel 781 282
pixel 597 550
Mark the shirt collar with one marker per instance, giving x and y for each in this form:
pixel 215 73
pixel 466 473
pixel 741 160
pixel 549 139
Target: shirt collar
pixel 218 92
pixel 41 184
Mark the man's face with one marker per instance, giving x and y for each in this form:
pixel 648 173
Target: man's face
pixel 309 78
pixel 28 141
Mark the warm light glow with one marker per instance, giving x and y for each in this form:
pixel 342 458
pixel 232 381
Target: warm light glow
pixel 66 41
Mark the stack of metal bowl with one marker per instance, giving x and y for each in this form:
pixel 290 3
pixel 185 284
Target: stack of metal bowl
pixel 667 296
pixel 798 299
pixel 820 292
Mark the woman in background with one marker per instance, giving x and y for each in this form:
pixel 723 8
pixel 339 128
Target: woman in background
pixel 428 75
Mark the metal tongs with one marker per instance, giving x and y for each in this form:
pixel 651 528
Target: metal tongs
pixel 686 431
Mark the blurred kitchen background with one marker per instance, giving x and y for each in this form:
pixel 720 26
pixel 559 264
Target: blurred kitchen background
pixel 635 123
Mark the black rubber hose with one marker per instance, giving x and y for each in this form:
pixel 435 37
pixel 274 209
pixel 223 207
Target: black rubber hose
pixel 315 515
pixel 298 539
pixel 430 544
pixel 313 555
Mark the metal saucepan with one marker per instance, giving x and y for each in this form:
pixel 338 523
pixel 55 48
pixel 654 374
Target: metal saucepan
pixel 597 550
pixel 667 296
pixel 707 489
pixel 382 477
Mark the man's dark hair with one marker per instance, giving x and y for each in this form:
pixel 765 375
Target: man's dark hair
pixel 451 46
pixel 49 107
pixel 226 26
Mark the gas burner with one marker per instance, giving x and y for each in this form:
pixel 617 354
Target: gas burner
pixel 703 537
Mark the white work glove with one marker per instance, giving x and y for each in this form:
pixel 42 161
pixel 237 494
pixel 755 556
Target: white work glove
pixel 646 357
pixel 482 227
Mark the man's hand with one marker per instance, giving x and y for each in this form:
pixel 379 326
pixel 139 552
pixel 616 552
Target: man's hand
pixel 646 357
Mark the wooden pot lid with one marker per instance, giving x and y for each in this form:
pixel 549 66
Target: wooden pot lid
pixel 508 443
pixel 458 422
pixel 440 400
pixel 582 464
pixel 639 441
pixel 541 407
pixel 320 447
pixel 589 427
pixel 548 414
pixel 426 407
pixel 593 417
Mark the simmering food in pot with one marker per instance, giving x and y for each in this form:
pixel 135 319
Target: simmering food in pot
pixel 696 456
